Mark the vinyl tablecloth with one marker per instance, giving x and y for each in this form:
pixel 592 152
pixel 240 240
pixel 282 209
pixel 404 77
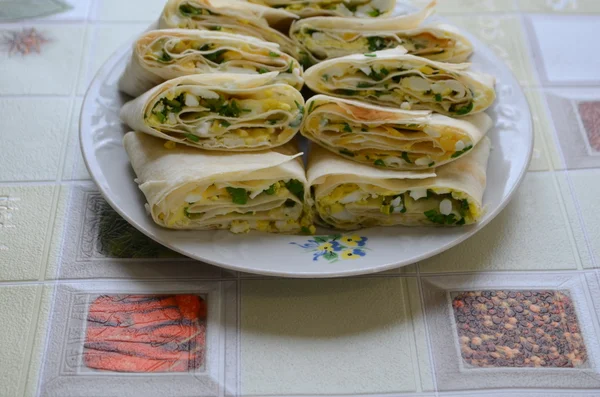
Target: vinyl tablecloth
pixel 90 307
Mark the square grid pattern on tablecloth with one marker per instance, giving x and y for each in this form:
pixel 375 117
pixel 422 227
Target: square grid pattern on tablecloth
pixel 513 309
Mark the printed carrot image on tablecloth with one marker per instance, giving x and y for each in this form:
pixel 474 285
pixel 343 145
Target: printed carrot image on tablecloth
pixel 146 333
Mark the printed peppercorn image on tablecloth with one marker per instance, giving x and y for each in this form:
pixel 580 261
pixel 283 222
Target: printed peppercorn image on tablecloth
pixel 90 305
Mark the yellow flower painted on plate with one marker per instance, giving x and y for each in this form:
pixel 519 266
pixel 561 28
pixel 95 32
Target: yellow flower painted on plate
pixel 325 247
pixel 349 254
pixel 351 241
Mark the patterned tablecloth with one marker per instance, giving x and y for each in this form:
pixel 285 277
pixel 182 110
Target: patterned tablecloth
pixel 90 307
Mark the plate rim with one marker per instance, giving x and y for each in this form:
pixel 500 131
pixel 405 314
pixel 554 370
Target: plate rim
pixel 112 61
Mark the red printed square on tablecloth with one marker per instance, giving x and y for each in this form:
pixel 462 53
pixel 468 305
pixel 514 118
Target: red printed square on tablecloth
pixel 145 333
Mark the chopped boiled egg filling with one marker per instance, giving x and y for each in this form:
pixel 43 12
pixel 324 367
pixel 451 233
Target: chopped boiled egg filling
pixel 354 205
pixel 242 206
pixel 400 83
pixel 391 145
pixel 197 114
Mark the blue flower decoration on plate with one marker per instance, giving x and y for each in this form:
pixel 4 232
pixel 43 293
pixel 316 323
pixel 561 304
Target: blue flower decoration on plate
pixel 336 247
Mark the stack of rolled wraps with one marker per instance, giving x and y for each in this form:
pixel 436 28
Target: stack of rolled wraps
pixel 397 126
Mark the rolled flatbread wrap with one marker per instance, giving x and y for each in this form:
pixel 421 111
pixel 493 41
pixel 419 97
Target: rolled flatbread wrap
pixel 349 196
pixel 394 78
pixel 161 55
pixel 220 111
pixel 388 137
pixel 348 8
pixel 230 16
pixel 333 37
pixel 199 190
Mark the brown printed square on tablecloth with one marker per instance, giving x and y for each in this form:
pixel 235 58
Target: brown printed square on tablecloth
pixel 518 328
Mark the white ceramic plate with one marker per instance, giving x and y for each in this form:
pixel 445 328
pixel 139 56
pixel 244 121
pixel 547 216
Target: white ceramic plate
pixel 364 251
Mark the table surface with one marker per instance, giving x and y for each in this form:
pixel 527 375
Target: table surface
pixel 513 309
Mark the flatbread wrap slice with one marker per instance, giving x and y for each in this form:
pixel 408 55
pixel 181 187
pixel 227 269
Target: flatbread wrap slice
pixel 333 37
pixel 350 196
pixel 390 137
pixel 220 111
pixel 232 16
pixel 161 55
pixel 394 78
pixel 200 190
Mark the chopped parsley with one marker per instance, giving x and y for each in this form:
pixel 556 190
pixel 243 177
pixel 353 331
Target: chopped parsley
pixel 192 137
pixel 464 205
pixel 238 195
pixel 296 188
pixel 343 91
pixel 379 162
pixel 441 219
pixel 188 10
pixel 325 77
pixel 214 105
pixel 291 67
pixel 304 59
pixel 300 107
pixel 216 56
pixel 431 164
pixel 370 55
pixel 376 43
pixel 461 152
pixel 165 57
pixel 225 123
pixel 347 128
pixel 362 84
pixel 374 13
pixel 465 109
pixel 214 28
pixel 262 70
pixel 438 97
pixel 230 110
pixel 310 107
pixel 405 157
pixel 173 103
pixel 305 230
pixel 346 152
pixel 435 217
pixel 271 190
pixel 274 54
